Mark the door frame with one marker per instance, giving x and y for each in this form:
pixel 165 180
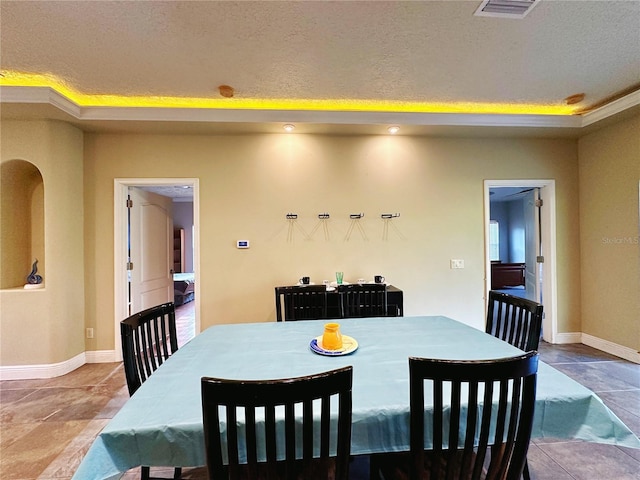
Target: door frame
pixel 120 192
pixel 548 241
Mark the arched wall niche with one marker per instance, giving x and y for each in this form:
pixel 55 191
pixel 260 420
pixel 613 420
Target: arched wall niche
pixel 21 222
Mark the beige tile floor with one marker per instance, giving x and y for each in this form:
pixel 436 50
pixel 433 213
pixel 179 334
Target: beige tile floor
pixel 46 426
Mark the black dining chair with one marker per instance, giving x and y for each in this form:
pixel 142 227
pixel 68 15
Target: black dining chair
pixel 317 438
pixel 301 302
pixel 466 440
pixel 515 320
pixel 363 300
pixel 149 338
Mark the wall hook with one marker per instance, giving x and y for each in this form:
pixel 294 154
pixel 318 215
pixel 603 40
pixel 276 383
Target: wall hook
pixel 390 215
pixel 323 216
pixel 292 216
pixel 356 215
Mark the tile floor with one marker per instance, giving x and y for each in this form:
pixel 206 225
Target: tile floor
pixel 47 425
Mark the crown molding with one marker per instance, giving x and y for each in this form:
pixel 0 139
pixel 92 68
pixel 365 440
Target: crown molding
pixel 612 108
pixel 40 95
pixel 49 96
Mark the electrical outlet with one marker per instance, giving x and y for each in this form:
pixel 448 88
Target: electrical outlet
pixel 457 263
pixel 89 332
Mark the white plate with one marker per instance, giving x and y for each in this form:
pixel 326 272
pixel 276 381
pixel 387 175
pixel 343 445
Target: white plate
pixel 349 345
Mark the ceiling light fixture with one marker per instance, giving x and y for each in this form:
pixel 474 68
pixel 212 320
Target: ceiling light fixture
pixel 288 127
pixel 226 91
pixel 573 99
pixel 393 129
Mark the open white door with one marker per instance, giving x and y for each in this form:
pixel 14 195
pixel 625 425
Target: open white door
pixel 151 250
pixel 547 287
pixel 532 273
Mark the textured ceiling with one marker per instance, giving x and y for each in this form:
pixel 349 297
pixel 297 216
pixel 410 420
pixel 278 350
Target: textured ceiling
pixel 370 51
pixel 177 192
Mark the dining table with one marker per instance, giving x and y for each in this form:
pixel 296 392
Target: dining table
pixel 161 424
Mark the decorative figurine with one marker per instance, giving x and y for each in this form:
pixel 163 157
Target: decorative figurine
pixel 33 278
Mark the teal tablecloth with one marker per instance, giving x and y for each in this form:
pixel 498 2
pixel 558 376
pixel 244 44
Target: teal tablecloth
pixel 162 423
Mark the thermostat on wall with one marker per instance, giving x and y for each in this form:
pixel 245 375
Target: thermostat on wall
pixel 242 244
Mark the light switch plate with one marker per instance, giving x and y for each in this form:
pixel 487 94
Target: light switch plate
pixel 457 263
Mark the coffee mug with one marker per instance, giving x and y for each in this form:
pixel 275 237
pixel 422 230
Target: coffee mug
pixel 305 280
pixel 378 279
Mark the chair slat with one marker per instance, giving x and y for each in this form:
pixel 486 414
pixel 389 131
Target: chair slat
pixel 251 437
pixel 470 433
pixel 325 427
pixel 232 436
pixel 307 429
pixel 270 431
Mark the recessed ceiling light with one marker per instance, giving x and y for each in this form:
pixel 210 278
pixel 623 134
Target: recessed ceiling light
pixel 288 127
pixel 393 129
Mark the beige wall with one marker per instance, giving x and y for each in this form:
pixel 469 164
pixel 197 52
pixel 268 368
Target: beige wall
pixel 47 326
pixel 248 184
pixel 610 254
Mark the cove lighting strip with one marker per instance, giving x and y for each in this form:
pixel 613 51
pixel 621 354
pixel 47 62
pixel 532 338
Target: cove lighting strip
pixel 11 78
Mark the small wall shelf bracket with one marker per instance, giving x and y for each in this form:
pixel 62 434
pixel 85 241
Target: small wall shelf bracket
pixel 390 215
pixel 292 216
pixel 356 216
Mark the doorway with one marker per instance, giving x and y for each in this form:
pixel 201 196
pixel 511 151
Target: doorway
pixel 163 186
pixel 532 243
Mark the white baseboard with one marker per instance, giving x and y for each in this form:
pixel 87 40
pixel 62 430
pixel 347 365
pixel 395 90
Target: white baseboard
pixel 31 372
pixel 611 348
pixel 574 337
pixel 101 356
pixel 602 345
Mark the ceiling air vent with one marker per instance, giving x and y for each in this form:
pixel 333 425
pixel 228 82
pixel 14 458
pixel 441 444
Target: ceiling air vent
pixel 505 8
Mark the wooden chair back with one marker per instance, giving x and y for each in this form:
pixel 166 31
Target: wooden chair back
pixel 469 440
pixel 317 441
pixel 148 339
pixel 363 300
pixel 304 302
pixel 515 320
